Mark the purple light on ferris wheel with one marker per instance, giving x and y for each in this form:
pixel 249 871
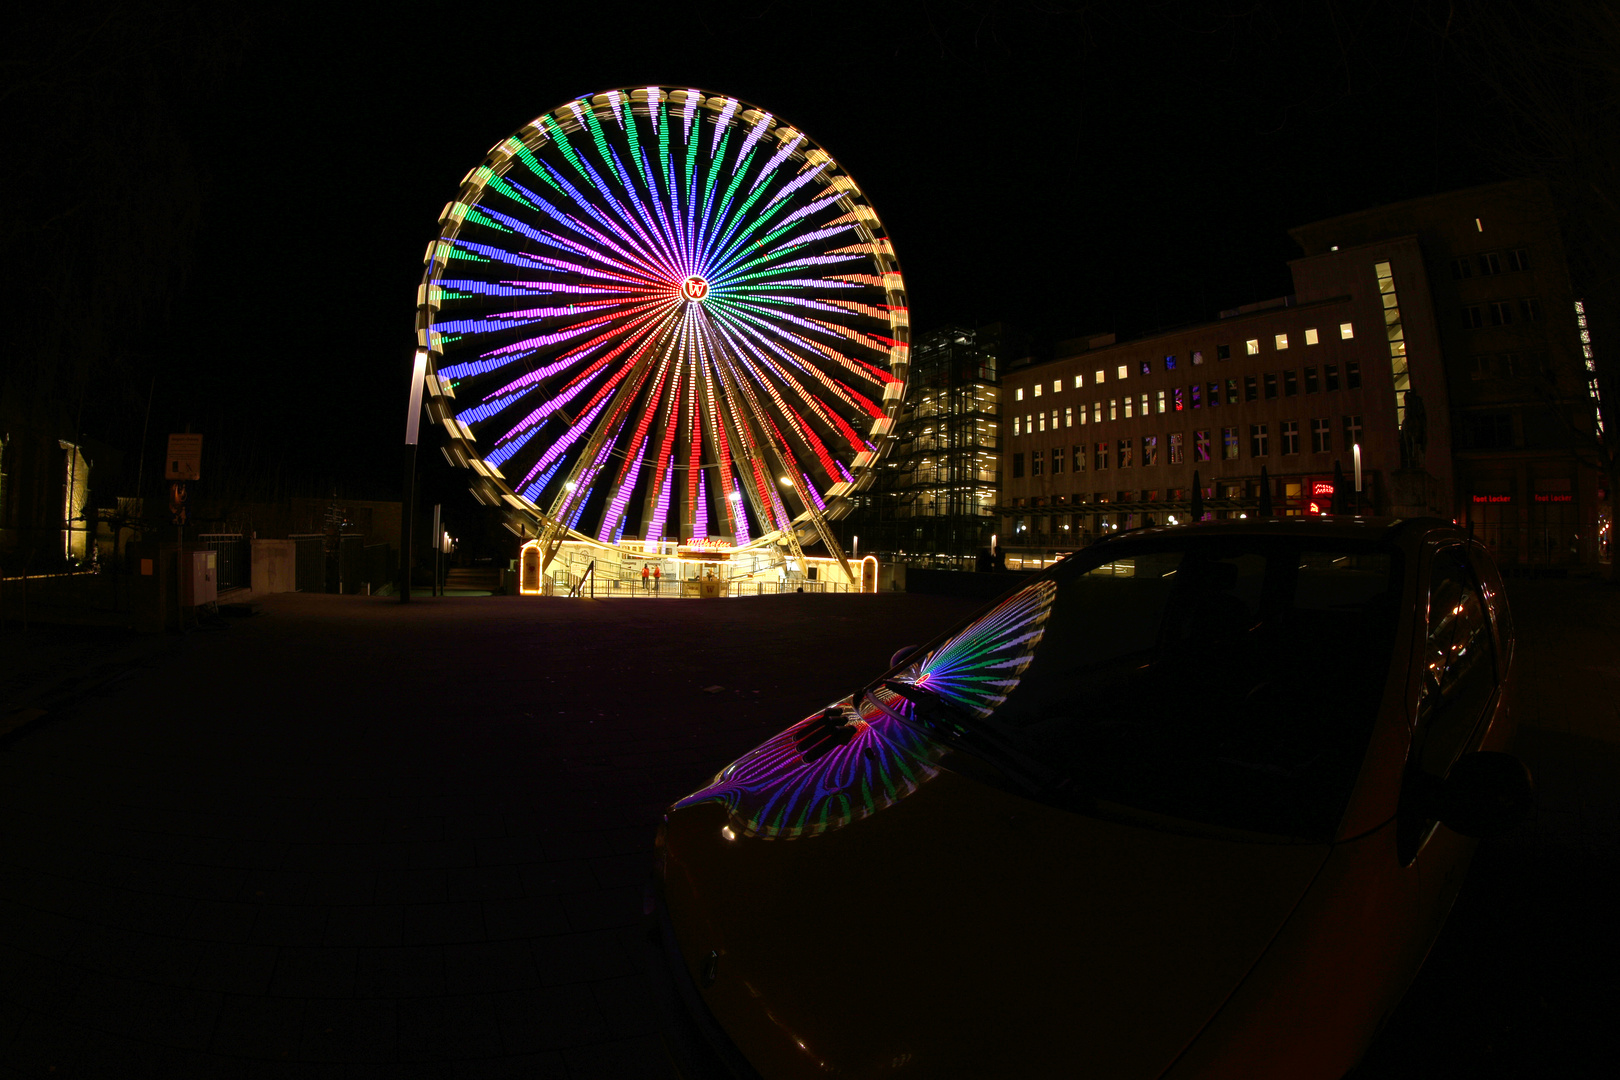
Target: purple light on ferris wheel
pixel 671 279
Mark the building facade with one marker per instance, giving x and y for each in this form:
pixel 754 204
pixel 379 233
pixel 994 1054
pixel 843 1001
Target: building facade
pixel 1436 337
pixel 1511 340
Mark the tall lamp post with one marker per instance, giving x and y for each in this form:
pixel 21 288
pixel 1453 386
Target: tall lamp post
pixel 1356 448
pixel 413 423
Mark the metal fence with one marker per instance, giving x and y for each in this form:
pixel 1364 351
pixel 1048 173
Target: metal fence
pixel 233 562
pixel 670 588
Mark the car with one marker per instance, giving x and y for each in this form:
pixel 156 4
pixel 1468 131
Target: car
pixel 1192 802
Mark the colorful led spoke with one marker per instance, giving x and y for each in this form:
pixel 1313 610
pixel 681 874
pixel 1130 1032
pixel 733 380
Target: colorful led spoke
pixel 840 766
pixel 652 302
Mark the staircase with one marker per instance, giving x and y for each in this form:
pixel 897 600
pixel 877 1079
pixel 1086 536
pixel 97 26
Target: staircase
pixel 474 578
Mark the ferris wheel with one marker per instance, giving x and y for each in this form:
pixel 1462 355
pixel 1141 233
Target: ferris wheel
pixel 659 312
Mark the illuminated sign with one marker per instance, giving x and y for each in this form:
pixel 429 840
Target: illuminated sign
pixel 1493 498
pixel 694 288
pixel 1555 498
pixel 1321 497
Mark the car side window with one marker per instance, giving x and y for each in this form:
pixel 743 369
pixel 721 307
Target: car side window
pixel 1459 664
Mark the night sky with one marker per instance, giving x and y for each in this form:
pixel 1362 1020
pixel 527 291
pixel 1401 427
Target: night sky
pixel 1063 168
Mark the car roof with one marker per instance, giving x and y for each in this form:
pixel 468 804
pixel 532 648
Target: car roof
pixel 1400 531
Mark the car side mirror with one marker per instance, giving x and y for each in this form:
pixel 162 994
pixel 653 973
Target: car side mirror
pixel 901 655
pixel 1485 794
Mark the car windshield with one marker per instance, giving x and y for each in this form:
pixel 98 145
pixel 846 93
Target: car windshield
pixel 1227 680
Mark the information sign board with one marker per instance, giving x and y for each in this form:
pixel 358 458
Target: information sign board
pixel 184 460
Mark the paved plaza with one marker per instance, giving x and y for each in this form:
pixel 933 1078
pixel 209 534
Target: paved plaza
pixel 353 838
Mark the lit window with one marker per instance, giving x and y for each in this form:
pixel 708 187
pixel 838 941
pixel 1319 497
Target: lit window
pixel 1127 408
pixel 1122 372
pixel 1147 367
pixel 1068 416
pixel 1169 363
pixel 1253 346
pixel 1229 444
pixel 1018 394
pixel 1079 381
pixel 1176 397
pixel 1113 408
pixel 1161 401
pixel 1098 377
pixel 1029 424
pixel 1018 425
pixel 1043 421
pixel 1346 331
pixel 1196 396
pixel 1311 336
pixel 1282 342
pixel 1198 358
pixel 1057 385
pixel 1054 419
pixel 1096 412
pixel 1037 389
pixel 1175 448
pixel 1144 404
pixel 1150 450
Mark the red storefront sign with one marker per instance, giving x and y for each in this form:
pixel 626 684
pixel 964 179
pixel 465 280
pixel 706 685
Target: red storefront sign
pixel 1493 498
pixel 1320 499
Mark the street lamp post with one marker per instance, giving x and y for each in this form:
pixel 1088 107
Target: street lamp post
pixel 413 423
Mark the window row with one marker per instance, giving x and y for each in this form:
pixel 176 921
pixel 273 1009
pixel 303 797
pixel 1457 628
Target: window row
pixel 1512 365
pixel 1122 453
pixel 1491 263
pixel 1195 396
pixel 1500 313
pixel 1146 367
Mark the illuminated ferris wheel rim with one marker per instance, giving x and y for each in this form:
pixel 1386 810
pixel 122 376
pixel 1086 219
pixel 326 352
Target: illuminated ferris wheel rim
pixel 703 300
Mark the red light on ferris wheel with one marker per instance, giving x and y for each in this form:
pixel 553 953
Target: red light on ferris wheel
pixel 694 288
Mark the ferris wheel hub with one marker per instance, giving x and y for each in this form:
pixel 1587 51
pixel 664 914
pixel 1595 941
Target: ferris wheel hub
pixel 695 288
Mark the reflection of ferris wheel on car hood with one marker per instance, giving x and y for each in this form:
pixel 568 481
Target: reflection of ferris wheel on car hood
pixel 658 312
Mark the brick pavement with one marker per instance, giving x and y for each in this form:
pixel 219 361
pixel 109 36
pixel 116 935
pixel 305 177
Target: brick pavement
pixel 350 838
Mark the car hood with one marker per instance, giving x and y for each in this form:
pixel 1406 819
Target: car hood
pixel 956 928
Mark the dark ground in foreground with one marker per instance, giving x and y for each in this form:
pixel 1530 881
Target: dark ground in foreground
pixel 353 839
